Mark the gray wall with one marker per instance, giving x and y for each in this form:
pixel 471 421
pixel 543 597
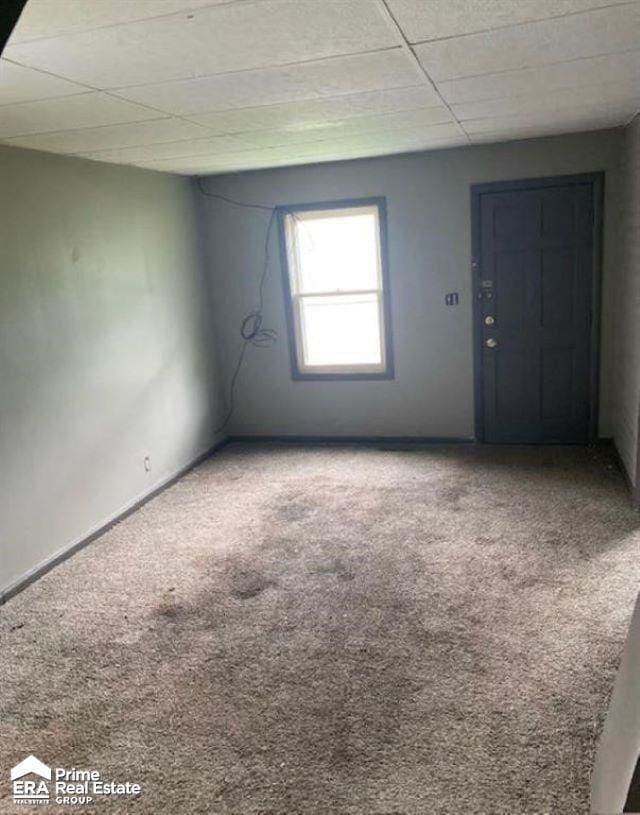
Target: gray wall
pixel 626 379
pixel 429 252
pixel 105 347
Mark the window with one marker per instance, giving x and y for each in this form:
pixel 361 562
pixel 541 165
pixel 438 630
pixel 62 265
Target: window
pixel 337 290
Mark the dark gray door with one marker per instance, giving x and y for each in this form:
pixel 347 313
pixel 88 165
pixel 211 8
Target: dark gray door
pixel 534 281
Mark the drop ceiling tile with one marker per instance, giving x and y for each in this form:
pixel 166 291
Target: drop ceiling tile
pixel 48 18
pixel 551 121
pixel 516 133
pixel 362 126
pixel 197 165
pixel 316 112
pixel 574 74
pixel 385 101
pixel 339 75
pixel 68 113
pixel 227 37
pixel 400 140
pixel 332 105
pixel 603 31
pixel 623 98
pixel 244 163
pixel 19 84
pixel 290 116
pixel 177 149
pixel 304 154
pixel 396 141
pixel 419 118
pixel 348 152
pixel 436 19
pixel 112 137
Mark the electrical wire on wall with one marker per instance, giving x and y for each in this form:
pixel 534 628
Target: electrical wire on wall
pixel 251 330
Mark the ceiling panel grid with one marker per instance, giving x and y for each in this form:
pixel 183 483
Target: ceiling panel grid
pixel 198 86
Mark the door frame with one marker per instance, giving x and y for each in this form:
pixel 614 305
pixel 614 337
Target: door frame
pixel 596 181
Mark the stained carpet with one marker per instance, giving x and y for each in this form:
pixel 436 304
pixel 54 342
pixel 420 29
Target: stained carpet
pixel 336 630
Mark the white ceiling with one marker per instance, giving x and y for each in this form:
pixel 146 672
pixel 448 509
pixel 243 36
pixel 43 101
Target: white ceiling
pixel 199 86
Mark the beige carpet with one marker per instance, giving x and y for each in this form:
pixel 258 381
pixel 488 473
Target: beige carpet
pixel 336 630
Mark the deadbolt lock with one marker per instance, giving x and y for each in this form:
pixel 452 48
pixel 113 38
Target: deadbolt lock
pixel 489 320
pixel 491 343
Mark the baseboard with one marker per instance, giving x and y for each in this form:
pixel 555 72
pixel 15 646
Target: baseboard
pixel 66 552
pixel 355 439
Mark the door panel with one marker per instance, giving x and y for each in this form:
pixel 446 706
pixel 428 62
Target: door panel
pixel 535 274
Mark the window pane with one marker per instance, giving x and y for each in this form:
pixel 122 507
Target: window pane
pixel 341 330
pixel 337 252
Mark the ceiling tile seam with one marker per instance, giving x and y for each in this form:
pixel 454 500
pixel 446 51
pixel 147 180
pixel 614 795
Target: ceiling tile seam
pixel 182 159
pixel 571 111
pixel 409 50
pixel 362 134
pixel 92 155
pixel 541 95
pixel 349 119
pixel 85 127
pixel 176 116
pixel 86 92
pixel 49 73
pixel 341 120
pixel 164 117
pixel 537 65
pixel 163 113
pixel 273 147
pixel 635 116
pixel 529 133
pixel 185 117
pixel 524 23
pixel 512 95
pixel 268 156
pixel 270 67
pixel 248 133
pixel 466 132
pixel 9 140
pixel 113 91
pixel 47 99
pixel 182 12
pixel 582 123
pixel 579 112
pixel 297 100
pixel 517 94
pixel 191 117
pixel 345 155
pixel 149 145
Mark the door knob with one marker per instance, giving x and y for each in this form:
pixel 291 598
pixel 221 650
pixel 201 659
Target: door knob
pixel 491 343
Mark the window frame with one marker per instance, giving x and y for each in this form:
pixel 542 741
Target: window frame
pixel 352 372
